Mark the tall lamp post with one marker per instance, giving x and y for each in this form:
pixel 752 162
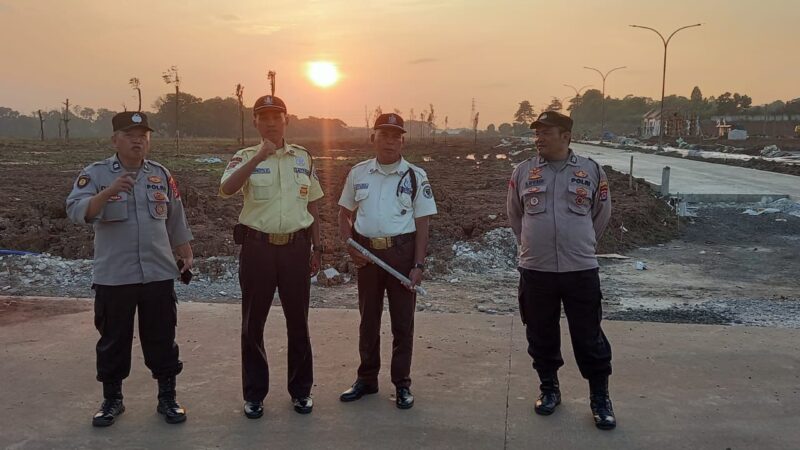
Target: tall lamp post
pixel 603 115
pixel 577 92
pixel 664 77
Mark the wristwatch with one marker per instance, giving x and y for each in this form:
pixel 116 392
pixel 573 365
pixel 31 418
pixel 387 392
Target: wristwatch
pixel 419 266
pixel 318 248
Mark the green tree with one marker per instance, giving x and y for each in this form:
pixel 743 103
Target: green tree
pixel 525 113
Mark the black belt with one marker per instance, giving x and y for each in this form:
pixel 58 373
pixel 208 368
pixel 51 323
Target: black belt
pixel 382 243
pixel 271 238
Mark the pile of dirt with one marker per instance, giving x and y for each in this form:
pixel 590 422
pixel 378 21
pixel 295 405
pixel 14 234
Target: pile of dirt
pixel 469 182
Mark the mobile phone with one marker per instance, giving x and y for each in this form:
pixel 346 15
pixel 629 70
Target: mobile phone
pixel 186 276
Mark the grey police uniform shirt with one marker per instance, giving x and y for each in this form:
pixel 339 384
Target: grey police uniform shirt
pixel 134 232
pixel 558 216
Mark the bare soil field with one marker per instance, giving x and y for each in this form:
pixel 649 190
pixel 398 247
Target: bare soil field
pixel 469 183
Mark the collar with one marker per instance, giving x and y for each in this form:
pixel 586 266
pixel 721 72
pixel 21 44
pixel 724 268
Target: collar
pixel 116 166
pixel 572 159
pixel 400 170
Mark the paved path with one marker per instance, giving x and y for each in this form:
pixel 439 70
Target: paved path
pixel 674 387
pixel 687 176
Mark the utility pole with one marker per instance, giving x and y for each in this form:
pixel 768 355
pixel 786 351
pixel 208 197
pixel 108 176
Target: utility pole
pixel 171 77
pixel 41 124
pixel 66 121
pixel 475 127
pixel 271 76
pixel 664 77
pixel 134 82
pixel 603 116
pixel 240 98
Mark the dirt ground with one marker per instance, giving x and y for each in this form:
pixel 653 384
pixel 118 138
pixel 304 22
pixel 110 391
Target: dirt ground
pixel 16 310
pixel 469 183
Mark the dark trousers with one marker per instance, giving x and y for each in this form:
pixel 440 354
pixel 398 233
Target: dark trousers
pixel 372 283
pixel 540 297
pixel 264 267
pixel 114 310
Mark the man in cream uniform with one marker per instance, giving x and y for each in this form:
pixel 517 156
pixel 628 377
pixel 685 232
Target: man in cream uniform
pixel 386 206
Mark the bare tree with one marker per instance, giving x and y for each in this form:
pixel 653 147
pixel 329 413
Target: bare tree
pixel 134 82
pixel 271 76
pixel 366 121
pixel 171 76
pixel 240 98
pixel 445 130
pixel 41 124
pixel 377 113
pixel 411 119
pixel 66 121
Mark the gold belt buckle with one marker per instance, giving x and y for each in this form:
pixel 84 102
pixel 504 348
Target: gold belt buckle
pixel 381 243
pixel 279 238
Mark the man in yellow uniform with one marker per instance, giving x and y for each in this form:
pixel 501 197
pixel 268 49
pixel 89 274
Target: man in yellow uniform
pixel 278 224
pixel 386 206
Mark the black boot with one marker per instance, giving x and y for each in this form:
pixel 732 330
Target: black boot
pixel 600 403
pixel 167 406
pixel 112 405
pixel 550 396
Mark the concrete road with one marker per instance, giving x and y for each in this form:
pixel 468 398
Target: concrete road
pixel 674 387
pixel 699 180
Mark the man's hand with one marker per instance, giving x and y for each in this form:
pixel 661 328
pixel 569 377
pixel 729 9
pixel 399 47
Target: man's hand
pixel 314 264
pixel 416 278
pixel 188 261
pixel 124 183
pixel 267 149
pixel 358 259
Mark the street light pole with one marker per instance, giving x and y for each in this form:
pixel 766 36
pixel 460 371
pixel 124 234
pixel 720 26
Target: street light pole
pixel 664 77
pixel 577 92
pixel 603 115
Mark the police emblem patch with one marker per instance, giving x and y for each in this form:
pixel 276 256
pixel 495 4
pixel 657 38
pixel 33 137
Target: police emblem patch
pixel 579 200
pixel 543 116
pixel 159 196
pixel 603 188
pixel 268 100
pixel 581 192
pixel 136 118
pixel 161 209
pixel 83 180
pixel 303 191
pixel 534 201
pixel 581 174
pixel 154 179
pixel 392 119
pixel 115 167
pixel 427 191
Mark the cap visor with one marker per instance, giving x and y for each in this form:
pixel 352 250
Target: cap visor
pixel 395 127
pixel 135 125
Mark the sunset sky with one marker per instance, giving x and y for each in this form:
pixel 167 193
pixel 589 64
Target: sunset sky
pixel 397 54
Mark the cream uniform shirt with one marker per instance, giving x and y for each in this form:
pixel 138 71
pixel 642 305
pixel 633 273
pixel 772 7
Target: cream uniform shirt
pixel 383 202
pixel 277 194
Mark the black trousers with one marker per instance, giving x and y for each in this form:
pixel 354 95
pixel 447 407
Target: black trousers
pixel 264 267
pixel 114 310
pixel 540 298
pixel 373 282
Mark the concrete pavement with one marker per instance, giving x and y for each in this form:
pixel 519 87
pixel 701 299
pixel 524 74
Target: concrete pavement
pixel 698 180
pixel 674 386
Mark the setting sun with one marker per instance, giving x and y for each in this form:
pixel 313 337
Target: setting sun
pixel 323 73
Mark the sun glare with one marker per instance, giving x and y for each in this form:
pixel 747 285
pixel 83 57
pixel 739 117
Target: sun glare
pixel 323 73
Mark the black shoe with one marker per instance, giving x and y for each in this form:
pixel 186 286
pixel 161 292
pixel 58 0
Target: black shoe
pixel 600 402
pixel 108 412
pixel 303 405
pixel 550 396
pixel 253 410
pixel 167 405
pixel 358 390
pixel 404 398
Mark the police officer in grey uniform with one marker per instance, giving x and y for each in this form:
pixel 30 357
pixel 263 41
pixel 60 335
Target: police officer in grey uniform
pixel 558 206
pixel 135 208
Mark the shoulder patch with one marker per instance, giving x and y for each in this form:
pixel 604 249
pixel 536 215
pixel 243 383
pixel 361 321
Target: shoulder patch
pixel 426 190
pixel 173 185
pixel 83 181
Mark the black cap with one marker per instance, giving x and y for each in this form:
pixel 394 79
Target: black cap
pixel 390 120
pixel 553 119
pixel 269 102
pixel 130 119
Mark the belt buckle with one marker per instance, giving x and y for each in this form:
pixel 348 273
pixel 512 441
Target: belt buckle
pixel 279 238
pixel 381 243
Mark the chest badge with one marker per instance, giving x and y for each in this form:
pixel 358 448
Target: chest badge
pixel 159 196
pixel 581 174
pixel 534 201
pixel 154 179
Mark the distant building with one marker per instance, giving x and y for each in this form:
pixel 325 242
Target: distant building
pixel 676 123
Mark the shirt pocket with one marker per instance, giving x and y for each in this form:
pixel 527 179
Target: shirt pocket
pixel 361 195
pixel 534 200
pixel 158 204
pixel 116 209
pixel 580 200
pixel 261 185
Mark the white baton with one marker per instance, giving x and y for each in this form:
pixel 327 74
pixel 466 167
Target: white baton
pixel 420 290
